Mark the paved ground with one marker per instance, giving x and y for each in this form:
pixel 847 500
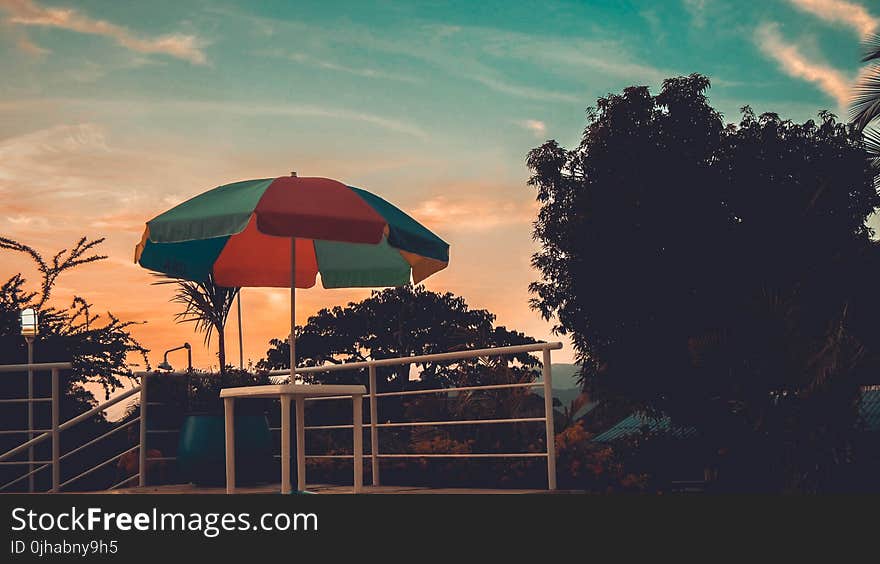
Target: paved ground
pixel 316 488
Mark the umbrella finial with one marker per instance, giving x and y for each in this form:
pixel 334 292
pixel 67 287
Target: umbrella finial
pixel 293 173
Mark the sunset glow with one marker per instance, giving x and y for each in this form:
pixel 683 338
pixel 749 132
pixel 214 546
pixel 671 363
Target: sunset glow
pixel 111 113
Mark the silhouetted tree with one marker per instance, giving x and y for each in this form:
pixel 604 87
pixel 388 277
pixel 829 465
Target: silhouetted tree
pixel 718 273
pixel 396 322
pixel 100 350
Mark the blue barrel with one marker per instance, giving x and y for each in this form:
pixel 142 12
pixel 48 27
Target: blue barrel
pixel 201 451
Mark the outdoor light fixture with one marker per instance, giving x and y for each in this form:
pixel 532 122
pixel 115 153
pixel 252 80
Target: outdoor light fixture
pixel 29 328
pixel 165 365
pixel 29 322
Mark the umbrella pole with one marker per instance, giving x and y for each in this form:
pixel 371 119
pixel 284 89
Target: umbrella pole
pixel 240 339
pixel 292 310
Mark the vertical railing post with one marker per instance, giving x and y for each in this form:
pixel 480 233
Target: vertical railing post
pixel 142 450
pixel 229 453
pixel 374 431
pixel 548 421
pixel 56 434
pixel 357 412
pixel 30 411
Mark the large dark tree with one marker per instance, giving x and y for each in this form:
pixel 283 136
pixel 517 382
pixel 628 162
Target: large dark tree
pixel 720 274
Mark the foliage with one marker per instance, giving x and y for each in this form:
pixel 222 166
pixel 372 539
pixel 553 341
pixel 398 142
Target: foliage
pixel 587 465
pixel 198 391
pixel 718 273
pixel 206 305
pixel 203 389
pixel 865 106
pixel 98 348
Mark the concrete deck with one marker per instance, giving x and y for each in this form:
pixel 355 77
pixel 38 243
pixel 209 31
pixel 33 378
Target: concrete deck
pixel 316 488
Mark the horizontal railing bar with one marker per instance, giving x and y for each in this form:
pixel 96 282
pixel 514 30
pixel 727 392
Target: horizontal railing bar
pixel 435 391
pixel 35 367
pixel 22 477
pixel 163 431
pixel 366 456
pixel 161 458
pixel 25 400
pixel 24 446
pixel 462 389
pixel 450 455
pixel 26 462
pixel 432 423
pixel 323 398
pixel 103 407
pixel 418 359
pixel 470 455
pixel 24 431
pixel 93 468
pixel 96 439
pixel 463 422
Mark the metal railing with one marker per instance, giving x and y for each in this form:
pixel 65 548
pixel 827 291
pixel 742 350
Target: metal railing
pixel 57 427
pixel 372 396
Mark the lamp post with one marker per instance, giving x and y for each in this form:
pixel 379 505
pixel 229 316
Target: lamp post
pixel 165 365
pixel 29 329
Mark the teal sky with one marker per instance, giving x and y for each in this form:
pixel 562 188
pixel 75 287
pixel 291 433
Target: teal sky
pixel 111 112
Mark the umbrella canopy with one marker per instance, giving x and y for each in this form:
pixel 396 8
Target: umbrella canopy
pixel 242 233
pixel 281 232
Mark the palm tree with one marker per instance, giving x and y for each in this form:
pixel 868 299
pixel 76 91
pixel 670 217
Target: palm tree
pixel 207 305
pixel 865 106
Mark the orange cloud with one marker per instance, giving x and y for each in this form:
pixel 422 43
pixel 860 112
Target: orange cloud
pixel 539 128
pixel 28 13
pixel 850 14
pixel 473 213
pixel 795 63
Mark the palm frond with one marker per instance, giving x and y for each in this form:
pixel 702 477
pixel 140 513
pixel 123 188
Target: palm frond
pixel 871 136
pixel 871 48
pixel 865 104
pixel 205 304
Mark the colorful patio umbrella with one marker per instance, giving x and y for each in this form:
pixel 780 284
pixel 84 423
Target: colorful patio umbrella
pixel 249 233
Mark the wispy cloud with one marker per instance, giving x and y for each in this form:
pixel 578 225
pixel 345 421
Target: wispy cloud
pixel 128 107
pixel 366 72
pixel 794 62
pixel 521 91
pixel 473 214
pixel 303 110
pixel 842 12
pixel 539 128
pixel 28 13
pixel 697 10
pixel 467 53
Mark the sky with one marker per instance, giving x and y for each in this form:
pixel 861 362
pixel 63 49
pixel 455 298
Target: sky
pixel 112 112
